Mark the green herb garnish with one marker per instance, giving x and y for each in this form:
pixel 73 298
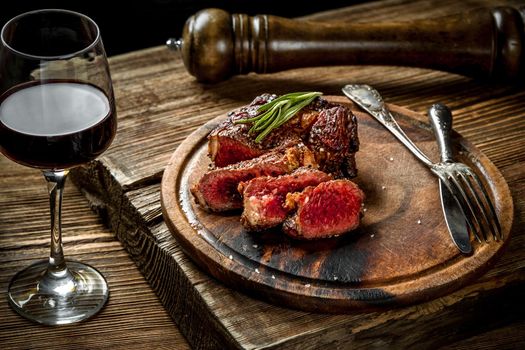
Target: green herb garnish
pixel 275 113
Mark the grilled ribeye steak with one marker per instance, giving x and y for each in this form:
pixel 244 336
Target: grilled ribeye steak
pixel 217 189
pixel 264 196
pixel 328 209
pixel 329 130
pixel 269 180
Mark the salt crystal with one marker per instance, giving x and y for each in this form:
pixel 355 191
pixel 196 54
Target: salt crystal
pixel 364 209
pixel 307 285
pixel 335 278
pixel 372 235
pixel 273 277
pixel 255 245
pixel 391 159
pixel 419 222
pixel 231 257
pixel 257 270
pixel 383 187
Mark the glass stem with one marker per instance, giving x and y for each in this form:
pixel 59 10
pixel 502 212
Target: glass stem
pixel 55 184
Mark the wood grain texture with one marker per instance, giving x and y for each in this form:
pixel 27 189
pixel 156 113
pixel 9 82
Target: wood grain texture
pixel 159 104
pixel 401 254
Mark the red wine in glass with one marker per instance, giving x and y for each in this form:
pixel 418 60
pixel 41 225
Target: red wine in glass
pixel 57 111
pixel 55 125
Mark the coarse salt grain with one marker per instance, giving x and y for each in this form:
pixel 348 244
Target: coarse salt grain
pixel 231 257
pixel 419 222
pixel 335 278
pixel 307 285
pixel 273 277
pixel 372 235
pixel 257 270
pixel 255 245
pixel 391 159
pixel 364 209
pixel 383 187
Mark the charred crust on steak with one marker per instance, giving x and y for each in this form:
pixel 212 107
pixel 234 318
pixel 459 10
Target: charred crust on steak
pixel 333 137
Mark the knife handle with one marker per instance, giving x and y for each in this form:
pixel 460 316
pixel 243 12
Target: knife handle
pixel 441 121
pixel 483 43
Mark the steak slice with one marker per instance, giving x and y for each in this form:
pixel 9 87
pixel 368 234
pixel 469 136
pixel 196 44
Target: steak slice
pixel 217 189
pixel 230 143
pixel 264 197
pixel 329 209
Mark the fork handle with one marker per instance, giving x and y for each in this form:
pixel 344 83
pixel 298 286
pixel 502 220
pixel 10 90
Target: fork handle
pixel 390 123
pixel 441 121
pixel 371 101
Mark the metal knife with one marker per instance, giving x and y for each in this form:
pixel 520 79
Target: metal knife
pixel 441 122
pixel 371 101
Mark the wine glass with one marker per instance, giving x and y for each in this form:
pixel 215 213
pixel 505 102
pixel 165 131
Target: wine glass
pixel 57 111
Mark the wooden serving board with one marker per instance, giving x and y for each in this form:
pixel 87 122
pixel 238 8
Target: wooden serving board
pixel 401 254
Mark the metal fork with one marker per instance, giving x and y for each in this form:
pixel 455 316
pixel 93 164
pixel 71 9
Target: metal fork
pixel 460 180
pixel 463 182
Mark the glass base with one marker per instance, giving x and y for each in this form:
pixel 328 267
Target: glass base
pixel 66 297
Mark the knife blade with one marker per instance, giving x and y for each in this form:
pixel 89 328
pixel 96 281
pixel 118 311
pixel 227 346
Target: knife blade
pixel 441 122
pixel 456 224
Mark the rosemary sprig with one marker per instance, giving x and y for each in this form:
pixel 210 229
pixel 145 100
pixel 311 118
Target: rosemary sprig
pixel 275 113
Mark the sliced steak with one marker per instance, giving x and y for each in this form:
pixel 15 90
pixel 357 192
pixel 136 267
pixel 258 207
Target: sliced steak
pixel 230 142
pixel 264 197
pixel 217 189
pixel 328 209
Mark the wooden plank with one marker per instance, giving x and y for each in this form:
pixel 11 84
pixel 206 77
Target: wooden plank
pixel 159 104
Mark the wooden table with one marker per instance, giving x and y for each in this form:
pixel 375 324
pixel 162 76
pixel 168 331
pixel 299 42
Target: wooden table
pixel 159 104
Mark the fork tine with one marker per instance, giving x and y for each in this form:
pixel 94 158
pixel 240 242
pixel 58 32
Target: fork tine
pixel 491 215
pixel 485 222
pixel 460 199
pixel 469 212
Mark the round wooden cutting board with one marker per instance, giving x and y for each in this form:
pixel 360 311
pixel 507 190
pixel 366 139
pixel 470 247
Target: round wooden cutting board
pixel 401 254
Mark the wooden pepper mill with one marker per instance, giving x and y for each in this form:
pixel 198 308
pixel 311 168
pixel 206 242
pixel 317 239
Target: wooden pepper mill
pixel 484 43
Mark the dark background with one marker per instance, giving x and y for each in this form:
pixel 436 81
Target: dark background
pixel 135 24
